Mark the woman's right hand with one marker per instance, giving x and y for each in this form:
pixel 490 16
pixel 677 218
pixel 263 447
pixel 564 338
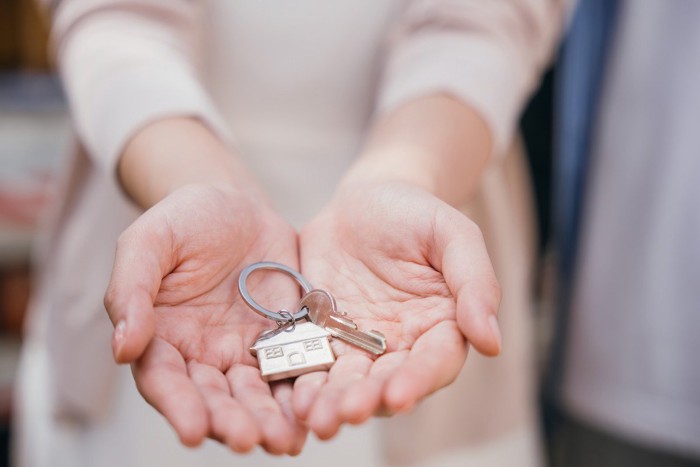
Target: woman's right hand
pixel 181 323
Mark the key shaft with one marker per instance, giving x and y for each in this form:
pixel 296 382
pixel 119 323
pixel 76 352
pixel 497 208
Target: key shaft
pixel 323 312
pixel 373 342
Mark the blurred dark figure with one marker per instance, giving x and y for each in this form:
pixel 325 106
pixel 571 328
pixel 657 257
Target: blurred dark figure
pixel 536 126
pixel 624 378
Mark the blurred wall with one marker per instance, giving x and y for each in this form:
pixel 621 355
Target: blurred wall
pixel 33 135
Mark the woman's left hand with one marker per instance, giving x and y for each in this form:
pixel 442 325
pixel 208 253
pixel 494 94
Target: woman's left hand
pixel 400 261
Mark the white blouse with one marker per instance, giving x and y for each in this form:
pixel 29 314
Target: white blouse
pixel 294 85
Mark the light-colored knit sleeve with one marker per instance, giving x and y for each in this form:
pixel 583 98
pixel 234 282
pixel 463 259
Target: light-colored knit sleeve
pixel 487 53
pixel 125 63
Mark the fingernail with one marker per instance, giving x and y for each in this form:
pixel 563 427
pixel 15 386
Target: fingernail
pixel 495 330
pixel 119 333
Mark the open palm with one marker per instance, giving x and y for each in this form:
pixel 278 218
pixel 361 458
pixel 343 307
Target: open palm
pixel 180 321
pixel 400 261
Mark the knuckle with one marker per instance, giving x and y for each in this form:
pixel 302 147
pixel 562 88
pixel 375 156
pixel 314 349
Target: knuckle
pixel 465 224
pixel 472 228
pixel 123 240
pixel 493 294
pixel 109 298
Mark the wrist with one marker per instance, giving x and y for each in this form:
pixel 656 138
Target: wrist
pixel 172 153
pixel 399 165
pixel 436 143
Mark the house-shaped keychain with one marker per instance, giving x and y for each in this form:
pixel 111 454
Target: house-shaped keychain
pixel 302 349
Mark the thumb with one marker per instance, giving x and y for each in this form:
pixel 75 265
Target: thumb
pixel 460 254
pixel 142 258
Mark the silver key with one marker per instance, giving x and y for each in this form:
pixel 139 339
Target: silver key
pixel 323 313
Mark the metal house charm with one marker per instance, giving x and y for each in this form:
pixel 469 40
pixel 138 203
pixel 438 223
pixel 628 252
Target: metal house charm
pixel 303 348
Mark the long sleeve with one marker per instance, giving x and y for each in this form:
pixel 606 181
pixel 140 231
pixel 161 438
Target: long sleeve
pixel 487 53
pixel 125 63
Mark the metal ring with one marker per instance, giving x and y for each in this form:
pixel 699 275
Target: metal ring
pixel 275 267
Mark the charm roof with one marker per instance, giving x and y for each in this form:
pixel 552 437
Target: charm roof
pixel 302 331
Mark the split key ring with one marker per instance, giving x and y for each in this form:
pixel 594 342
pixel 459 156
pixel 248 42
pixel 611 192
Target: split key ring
pixel 273 315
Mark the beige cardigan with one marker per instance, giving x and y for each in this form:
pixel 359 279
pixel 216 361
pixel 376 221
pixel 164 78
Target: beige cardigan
pixel 294 86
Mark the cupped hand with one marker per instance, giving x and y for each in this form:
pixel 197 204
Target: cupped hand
pixel 400 261
pixel 181 322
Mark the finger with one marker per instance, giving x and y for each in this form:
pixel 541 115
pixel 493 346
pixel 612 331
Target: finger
pixel 434 361
pixel 143 256
pixel 282 392
pixel 255 394
pixel 306 388
pixel 460 254
pixel 161 378
pixel 324 418
pixel 363 398
pixel 230 422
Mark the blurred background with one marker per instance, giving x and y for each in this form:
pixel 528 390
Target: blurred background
pixel 34 132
